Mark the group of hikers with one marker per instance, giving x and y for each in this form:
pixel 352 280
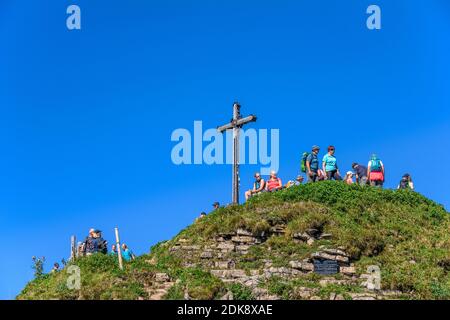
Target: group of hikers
pixel 216 205
pixel 373 174
pixel 95 243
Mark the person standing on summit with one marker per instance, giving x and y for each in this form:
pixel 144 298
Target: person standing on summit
pixel 375 171
pixel 312 165
pixel 329 165
pixel 90 245
pixel 127 254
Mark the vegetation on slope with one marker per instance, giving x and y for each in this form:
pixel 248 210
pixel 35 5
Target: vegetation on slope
pixel 403 232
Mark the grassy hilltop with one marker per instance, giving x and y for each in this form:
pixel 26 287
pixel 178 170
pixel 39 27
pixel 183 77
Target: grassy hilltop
pixel 264 249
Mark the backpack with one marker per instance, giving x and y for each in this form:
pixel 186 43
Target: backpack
pixel 102 245
pixel 375 165
pixel 91 245
pixel 303 162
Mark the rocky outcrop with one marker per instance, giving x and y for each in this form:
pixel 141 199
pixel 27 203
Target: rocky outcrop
pixel 223 255
pixel 159 287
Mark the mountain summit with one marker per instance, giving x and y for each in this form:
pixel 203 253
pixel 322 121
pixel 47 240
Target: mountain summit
pixel 325 240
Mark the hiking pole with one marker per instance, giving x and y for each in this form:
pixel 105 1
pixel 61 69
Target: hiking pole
pixel 119 250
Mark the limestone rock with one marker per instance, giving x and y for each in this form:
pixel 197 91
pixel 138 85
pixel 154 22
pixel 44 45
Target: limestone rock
pixel 226 246
pixel 263 294
pixel 242 249
pixel 303 266
pixel 279 272
pixel 243 239
pixel 335 252
pixel 190 248
pixel 242 232
pixel 229 274
pixel 322 255
pixel 348 271
pixel 278 229
pixel 162 277
pixel 301 236
pixel 228 296
pixel 229 264
pixel 327 281
pixel 267 263
pixel 206 255
pixel 304 293
pixel 363 296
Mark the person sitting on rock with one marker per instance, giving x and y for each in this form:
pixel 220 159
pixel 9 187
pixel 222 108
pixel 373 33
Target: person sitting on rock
pixel 55 268
pixel 298 181
pixel 202 215
pixel 258 186
pixel 406 182
pixel 274 183
pixel 348 177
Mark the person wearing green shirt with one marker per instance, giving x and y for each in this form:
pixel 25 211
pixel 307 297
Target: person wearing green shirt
pixel 329 165
pixel 113 250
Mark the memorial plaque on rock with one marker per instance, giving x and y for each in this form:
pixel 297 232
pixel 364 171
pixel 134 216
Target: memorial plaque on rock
pixel 326 267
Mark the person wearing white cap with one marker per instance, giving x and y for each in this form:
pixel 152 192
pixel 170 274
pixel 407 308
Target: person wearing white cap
pixel 348 177
pixel 90 244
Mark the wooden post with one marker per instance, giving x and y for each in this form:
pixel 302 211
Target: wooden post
pixel 119 250
pixel 73 253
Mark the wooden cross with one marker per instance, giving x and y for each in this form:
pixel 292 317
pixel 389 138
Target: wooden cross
pixel 236 124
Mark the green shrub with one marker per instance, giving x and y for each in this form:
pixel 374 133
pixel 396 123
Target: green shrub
pixel 240 292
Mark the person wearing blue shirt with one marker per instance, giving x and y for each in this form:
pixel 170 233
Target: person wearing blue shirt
pixel 329 164
pixel 127 254
pixel 312 165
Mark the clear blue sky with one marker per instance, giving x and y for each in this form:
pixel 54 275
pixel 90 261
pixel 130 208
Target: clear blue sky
pixel 86 116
